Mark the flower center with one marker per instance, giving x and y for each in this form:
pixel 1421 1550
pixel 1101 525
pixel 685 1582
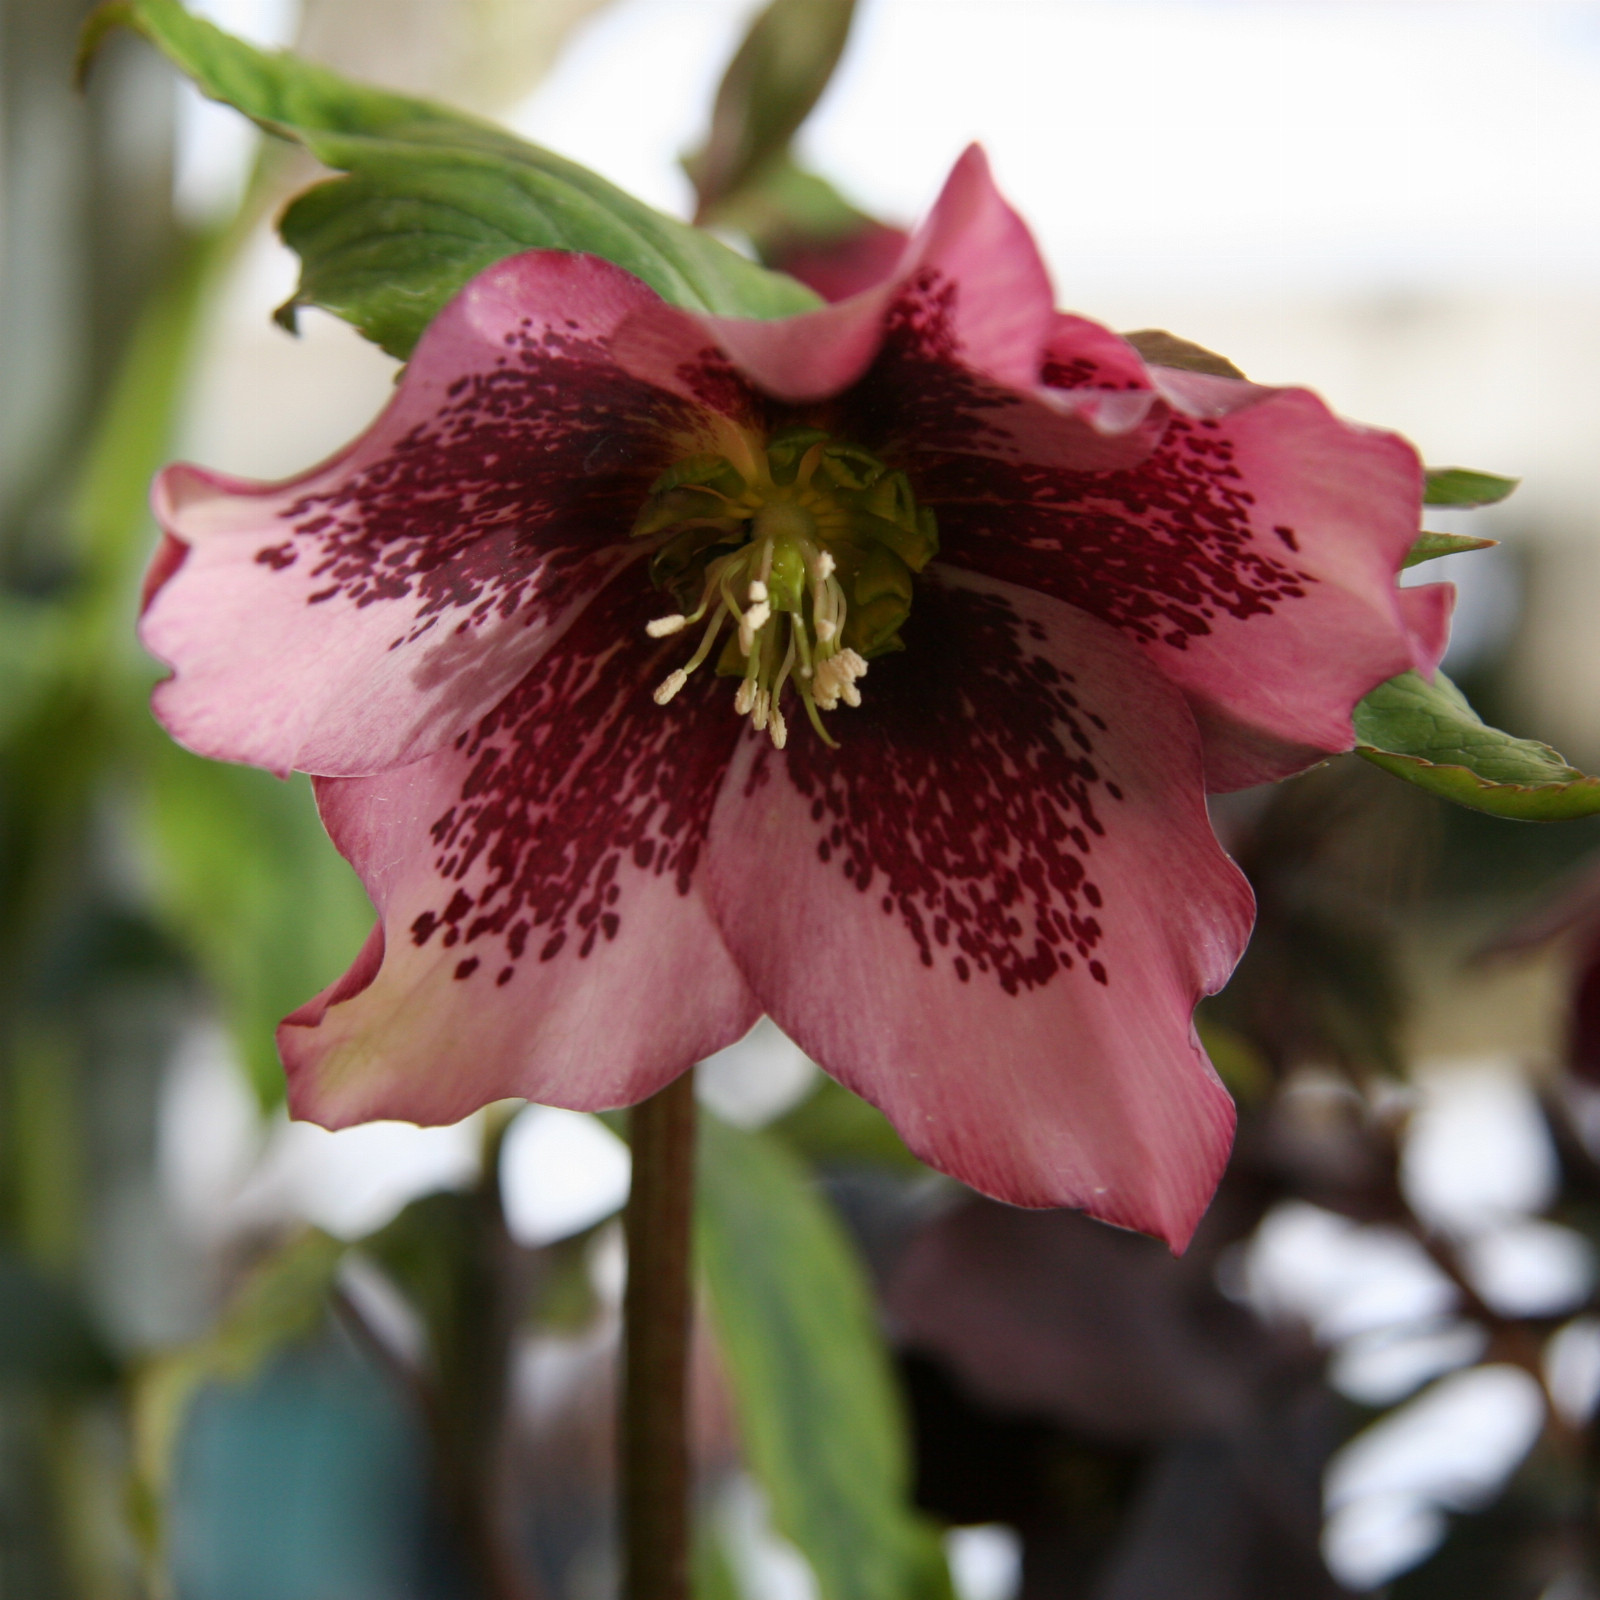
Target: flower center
pixel 803 547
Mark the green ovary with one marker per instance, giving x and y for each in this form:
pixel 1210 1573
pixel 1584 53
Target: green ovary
pixel 803 550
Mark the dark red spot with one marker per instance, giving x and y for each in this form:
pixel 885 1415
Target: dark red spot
pixel 1159 550
pixel 981 870
pixel 465 969
pixel 577 788
pixel 277 556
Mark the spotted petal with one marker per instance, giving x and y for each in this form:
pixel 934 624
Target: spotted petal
pixel 958 349
pixel 362 615
pixel 542 931
pixel 973 249
pixel 1252 556
pixel 992 910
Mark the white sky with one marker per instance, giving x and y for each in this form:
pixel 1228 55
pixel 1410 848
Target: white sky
pixel 1319 146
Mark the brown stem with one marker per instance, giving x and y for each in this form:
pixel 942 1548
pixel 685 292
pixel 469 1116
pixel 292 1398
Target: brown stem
pixel 655 1425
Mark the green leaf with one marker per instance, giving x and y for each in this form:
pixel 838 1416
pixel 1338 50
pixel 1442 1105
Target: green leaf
pixel 246 875
pixel 769 89
pixel 1429 735
pixel 433 196
pixel 785 207
pixel 821 1421
pixel 832 1126
pixel 1430 546
pixel 1456 486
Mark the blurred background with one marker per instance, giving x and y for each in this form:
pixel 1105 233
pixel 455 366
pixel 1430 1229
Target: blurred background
pixel 243 1359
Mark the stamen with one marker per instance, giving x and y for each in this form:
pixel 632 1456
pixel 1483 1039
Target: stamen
pixel 787 667
pixel 769 547
pixel 713 628
pixel 752 622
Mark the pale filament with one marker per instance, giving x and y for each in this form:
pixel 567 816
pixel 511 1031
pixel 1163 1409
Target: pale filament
pixel 812 659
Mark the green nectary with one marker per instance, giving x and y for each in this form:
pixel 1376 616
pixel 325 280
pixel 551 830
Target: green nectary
pixel 806 545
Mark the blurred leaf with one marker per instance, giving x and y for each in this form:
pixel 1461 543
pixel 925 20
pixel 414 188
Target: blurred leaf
pixel 819 1414
pixel 45 1144
pixel 769 89
pixel 784 204
pixel 1430 546
pixel 1163 349
pixel 246 874
pixel 1456 486
pixel 713 1575
pixel 443 1252
pixel 1429 735
pixel 564 1297
pixel 284 1299
pixel 46 1337
pixel 433 196
pixel 833 1125
pixel 1241 1066
pixel 138 418
pixel 33 643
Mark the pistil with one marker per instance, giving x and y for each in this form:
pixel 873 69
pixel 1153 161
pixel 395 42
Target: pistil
pixel 807 546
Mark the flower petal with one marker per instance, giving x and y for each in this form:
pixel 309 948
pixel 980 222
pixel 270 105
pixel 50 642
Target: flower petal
pixel 973 260
pixel 992 909
pixel 543 932
pixel 960 351
pixel 362 615
pixel 840 267
pixel 1253 556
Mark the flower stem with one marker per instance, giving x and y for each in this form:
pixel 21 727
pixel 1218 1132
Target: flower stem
pixel 655 1424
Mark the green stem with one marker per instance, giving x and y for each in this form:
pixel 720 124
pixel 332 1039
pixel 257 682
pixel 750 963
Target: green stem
pixel 655 1423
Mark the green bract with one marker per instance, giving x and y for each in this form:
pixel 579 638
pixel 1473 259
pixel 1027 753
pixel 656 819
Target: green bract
pixel 807 545
pixel 1430 546
pixel 1427 734
pixel 432 196
pixel 1456 486
pixel 779 73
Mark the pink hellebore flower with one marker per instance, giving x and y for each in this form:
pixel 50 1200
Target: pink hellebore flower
pixel 977 883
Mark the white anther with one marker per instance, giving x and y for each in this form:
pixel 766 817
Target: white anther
pixel 763 707
pixel 662 626
pixel 825 629
pixel 670 685
pixel 835 680
pixel 780 729
pixel 825 566
pixel 754 620
pixel 745 697
pixel 758 590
